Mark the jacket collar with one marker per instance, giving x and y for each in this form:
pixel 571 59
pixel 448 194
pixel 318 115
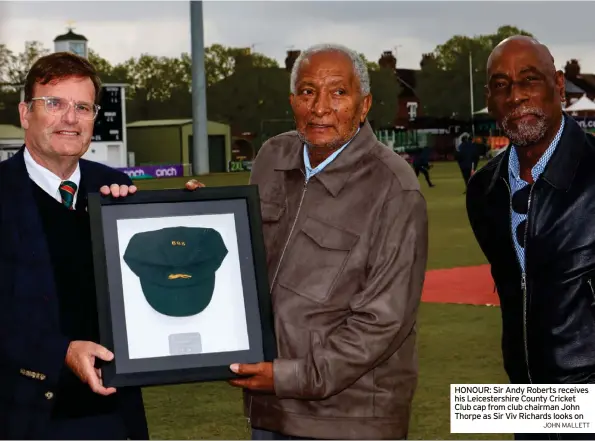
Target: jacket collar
pixel 335 175
pixel 15 167
pixel 562 166
pixel 17 171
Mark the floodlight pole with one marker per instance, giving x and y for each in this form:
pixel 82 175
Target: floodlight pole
pixel 200 140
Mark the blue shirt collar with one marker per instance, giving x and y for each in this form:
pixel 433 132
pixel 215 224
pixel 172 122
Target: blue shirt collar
pixel 310 171
pixel 514 167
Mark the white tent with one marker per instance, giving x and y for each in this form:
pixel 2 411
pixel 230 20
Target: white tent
pixel 583 104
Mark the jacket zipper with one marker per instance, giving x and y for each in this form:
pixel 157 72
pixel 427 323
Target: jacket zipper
pixel 592 291
pixel 523 275
pixel 297 215
pixel 279 266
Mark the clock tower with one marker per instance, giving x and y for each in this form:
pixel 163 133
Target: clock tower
pixel 108 143
pixel 71 42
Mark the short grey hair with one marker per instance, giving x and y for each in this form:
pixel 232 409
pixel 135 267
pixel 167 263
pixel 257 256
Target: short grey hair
pixel 359 66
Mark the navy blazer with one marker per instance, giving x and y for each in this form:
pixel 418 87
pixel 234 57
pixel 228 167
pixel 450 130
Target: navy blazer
pixel 32 347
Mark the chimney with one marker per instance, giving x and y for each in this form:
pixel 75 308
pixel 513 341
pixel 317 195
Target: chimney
pixel 290 59
pixel 572 69
pixel 387 60
pixel 243 58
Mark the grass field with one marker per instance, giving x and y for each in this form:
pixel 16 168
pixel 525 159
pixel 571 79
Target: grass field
pixel 457 343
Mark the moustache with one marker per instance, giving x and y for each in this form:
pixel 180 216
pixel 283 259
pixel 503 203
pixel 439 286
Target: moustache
pixel 519 113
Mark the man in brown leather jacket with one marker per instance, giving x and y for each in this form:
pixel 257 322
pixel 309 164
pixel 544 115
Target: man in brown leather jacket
pixel 345 229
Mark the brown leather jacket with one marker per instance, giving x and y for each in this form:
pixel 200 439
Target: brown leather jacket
pixel 346 257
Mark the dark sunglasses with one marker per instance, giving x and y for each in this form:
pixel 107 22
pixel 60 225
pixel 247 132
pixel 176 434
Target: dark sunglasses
pixel 520 205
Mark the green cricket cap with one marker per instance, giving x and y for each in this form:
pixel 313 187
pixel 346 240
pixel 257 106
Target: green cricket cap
pixel 176 267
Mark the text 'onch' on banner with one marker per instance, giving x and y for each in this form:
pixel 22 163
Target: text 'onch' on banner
pixel 522 408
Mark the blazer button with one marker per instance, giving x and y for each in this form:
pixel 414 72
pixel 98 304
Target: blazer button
pixel 49 395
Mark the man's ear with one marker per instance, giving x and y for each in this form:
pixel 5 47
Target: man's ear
pixel 366 105
pixel 561 84
pixel 486 91
pixel 24 112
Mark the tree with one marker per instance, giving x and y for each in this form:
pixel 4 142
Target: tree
pixel 6 61
pixel 106 71
pixel 13 71
pixel 253 99
pixel 16 67
pixel 385 90
pixel 443 82
pixel 156 78
pixel 220 61
pixel 372 65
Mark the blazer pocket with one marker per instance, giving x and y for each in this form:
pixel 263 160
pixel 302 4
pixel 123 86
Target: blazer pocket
pixel 316 259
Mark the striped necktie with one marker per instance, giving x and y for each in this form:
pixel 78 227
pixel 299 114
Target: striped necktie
pixel 67 191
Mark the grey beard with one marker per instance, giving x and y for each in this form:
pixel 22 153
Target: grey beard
pixel 333 145
pixel 525 133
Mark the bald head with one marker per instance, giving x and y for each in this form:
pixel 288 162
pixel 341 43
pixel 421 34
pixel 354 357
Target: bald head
pixel 522 44
pixel 524 91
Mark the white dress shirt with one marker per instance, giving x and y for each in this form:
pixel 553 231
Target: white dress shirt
pixel 48 181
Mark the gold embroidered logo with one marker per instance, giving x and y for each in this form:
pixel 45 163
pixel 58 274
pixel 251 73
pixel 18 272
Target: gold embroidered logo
pixel 179 276
pixel 177 243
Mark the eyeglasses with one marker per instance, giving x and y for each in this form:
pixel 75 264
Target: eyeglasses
pixel 59 106
pixel 520 205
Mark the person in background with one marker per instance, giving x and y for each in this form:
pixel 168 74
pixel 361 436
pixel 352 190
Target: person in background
pixel 50 386
pixel 345 229
pixel 531 210
pixel 421 163
pixel 467 158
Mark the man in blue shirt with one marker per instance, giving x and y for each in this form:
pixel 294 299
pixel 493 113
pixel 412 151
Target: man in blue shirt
pixel 345 230
pixel 531 209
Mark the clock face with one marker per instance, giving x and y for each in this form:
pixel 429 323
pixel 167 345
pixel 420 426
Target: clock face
pixel 78 48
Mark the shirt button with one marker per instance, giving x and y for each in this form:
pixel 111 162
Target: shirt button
pixel 49 395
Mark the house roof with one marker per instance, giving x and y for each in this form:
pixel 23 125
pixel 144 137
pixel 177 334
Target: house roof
pixel 408 81
pixel 586 82
pixel 573 88
pixel 69 36
pixel 159 122
pixel 167 123
pixel 8 131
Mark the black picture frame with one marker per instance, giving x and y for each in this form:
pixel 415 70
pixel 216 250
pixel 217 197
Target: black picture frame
pixel 148 207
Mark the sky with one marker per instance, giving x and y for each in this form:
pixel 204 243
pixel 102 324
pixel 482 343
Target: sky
pixel 121 30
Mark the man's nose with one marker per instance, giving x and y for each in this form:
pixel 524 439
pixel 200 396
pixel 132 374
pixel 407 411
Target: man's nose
pixel 70 115
pixel 322 104
pixel 518 93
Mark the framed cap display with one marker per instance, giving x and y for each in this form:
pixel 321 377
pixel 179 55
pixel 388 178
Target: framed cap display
pixel 182 288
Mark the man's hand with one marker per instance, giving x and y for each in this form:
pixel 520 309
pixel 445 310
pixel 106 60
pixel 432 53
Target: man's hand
pixel 80 358
pixel 261 376
pixel 193 184
pixel 117 190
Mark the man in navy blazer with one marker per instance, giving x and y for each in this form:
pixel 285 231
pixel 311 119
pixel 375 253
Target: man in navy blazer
pixel 50 387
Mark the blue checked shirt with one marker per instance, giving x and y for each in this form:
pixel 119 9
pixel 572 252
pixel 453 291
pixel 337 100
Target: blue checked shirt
pixel 516 184
pixel 310 171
